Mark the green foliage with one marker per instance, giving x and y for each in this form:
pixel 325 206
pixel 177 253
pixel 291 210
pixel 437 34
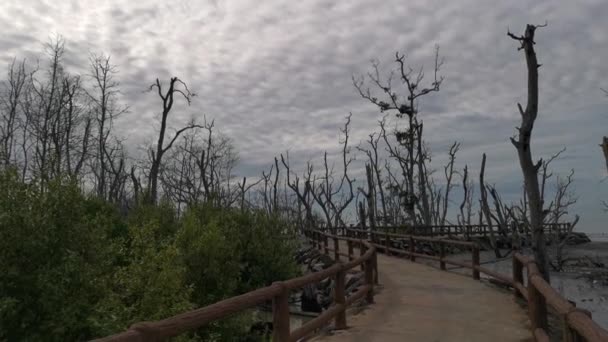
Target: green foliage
pixel 54 254
pixel 150 285
pixel 72 268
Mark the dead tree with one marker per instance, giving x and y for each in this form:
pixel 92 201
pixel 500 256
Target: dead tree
pixel 501 216
pixel 270 189
pixel 370 196
pixel 466 206
pixel 604 146
pixel 199 168
pixel 485 207
pixel 302 192
pixel 522 144
pixel 448 171
pixel 116 159
pixel 105 110
pixel 41 106
pixel 156 155
pixel 58 123
pixel 11 95
pixel 374 162
pixel 244 188
pixel 411 139
pixel 343 194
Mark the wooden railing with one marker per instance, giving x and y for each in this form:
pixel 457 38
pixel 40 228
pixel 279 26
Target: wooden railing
pixel 577 324
pixel 278 293
pixel 466 231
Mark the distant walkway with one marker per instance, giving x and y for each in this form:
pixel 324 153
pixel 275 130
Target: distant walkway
pixel 421 303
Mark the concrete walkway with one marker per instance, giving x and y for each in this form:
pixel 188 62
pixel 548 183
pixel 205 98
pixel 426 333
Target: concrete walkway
pixel 420 303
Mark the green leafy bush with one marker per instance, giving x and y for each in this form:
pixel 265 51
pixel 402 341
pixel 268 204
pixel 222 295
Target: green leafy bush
pixel 72 268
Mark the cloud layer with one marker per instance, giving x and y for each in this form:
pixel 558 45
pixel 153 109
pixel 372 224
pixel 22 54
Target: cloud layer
pixel 276 74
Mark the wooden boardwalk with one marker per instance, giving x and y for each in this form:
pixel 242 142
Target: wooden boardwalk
pixel 421 303
pixel 416 302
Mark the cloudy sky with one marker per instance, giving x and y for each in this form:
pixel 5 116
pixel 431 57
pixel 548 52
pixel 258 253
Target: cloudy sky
pixel 276 74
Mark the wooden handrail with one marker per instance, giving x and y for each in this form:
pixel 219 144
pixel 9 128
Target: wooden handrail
pixel 577 323
pixel 459 230
pixel 278 292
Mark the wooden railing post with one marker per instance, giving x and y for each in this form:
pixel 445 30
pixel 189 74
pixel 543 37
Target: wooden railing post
pixel 280 315
pixel 476 262
pixel 362 250
pixel 349 243
pixel 537 308
pixel 387 243
pixel 442 255
pixel 325 244
pixel 412 249
pixel 375 257
pixel 340 298
pixel 518 274
pixel 369 279
pixel 336 249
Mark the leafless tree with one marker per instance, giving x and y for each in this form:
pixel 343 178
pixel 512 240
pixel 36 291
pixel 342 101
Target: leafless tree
pixel 244 189
pixel 485 207
pixel 466 206
pixel 448 171
pixel 559 207
pixel 56 124
pixel 376 168
pixel 302 191
pixel 331 196
pixel 522 144
pixel 199 168
pixel 604 146
pixel 10 99
pixel 410 140
pixel 105 109
pixel 176 86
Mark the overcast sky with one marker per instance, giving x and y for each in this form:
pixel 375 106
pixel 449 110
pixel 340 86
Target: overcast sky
pixel 276 75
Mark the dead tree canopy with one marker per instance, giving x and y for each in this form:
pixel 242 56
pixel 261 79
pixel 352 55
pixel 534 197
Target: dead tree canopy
pixel 522 144
pixel 402 98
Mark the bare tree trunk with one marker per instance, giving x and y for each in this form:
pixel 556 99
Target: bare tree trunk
pixel 449 173
pixel 105 111
pixel 9 105
pixel 371 200
pixel 604 146
pixel 161 149
pixel 522 144
pixel 485 208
